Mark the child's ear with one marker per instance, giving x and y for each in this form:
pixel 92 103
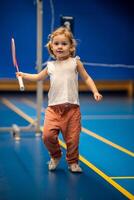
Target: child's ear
pixel 72 49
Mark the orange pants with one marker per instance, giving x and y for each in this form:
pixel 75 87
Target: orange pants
pixel 67 119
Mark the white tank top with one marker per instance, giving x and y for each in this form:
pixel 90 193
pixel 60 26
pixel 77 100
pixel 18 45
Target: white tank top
pixel 63 82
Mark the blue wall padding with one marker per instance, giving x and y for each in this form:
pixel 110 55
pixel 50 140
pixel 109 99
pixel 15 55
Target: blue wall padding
pixel 104 31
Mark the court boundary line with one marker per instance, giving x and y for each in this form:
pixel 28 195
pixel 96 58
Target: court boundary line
pixel 103 175
pixel 86 117
pixel 81 158
pixel 107 117
pixel 122 177
pixel 106 141
pixel 17 110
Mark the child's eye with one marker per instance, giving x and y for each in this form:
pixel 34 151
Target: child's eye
pixel 64 43
pixel 56 43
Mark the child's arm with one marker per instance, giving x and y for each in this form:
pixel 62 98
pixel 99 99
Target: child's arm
pixel 34 77
pixel 88 80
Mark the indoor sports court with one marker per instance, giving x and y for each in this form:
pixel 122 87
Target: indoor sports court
pixel 104 33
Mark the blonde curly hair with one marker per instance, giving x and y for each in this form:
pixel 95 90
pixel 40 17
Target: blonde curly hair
pixel 68 34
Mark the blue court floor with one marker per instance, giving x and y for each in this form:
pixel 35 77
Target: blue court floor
pixel 106 152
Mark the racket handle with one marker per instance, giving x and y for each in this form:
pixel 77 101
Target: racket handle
pixel 20 80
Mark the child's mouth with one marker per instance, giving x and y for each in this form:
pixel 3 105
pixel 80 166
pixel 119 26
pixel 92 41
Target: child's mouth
pixel 60 52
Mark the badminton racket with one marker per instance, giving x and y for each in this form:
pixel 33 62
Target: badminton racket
pixel 20 80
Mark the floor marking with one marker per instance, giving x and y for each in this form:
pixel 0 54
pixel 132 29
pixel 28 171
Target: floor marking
pixel 32 104
pixel 82 159
pixel 106 117
pixel 107 141
pixel 124 150
pixel 85 117
pixel 17 110
pixel 122 177
pixel 103 175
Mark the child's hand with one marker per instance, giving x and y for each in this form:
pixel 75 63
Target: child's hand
pixel 19 74
pixel 97 96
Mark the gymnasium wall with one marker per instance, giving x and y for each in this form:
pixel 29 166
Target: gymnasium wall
pixel 104 31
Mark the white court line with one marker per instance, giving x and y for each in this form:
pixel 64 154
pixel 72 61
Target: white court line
pixel 85 117
pixel 106 117
pixel 32 104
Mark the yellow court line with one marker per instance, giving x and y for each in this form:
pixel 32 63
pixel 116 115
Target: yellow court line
pixel 82 159
pixel 124 150
pixel 122 177
pixel 103 175
pixel 130 153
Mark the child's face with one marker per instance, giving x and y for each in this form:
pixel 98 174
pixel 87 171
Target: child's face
pixel 61 47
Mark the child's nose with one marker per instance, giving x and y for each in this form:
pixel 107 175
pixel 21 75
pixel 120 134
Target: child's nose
pixel 60 45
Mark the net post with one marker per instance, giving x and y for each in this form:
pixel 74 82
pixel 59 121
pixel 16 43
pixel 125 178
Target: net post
pixel 39 94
